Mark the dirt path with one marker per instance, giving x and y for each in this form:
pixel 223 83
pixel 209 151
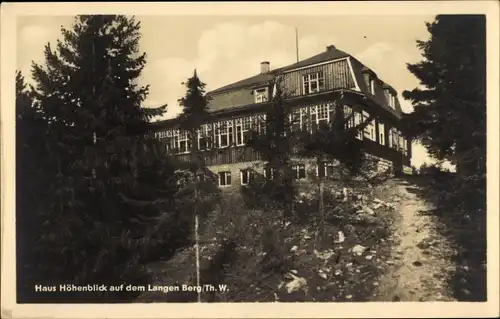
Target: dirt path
pixel 420 259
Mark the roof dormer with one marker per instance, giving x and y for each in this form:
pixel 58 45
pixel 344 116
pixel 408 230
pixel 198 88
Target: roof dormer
pixel 260 94
pixel 369 77
pixel 390 95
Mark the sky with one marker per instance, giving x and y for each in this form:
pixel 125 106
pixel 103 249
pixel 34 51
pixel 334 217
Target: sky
pixel 224 49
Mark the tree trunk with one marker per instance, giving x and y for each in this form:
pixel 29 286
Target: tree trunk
pixel 197 238
pixel 321 204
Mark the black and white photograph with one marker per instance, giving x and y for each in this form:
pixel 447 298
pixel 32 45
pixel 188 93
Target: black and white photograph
pixel 185 154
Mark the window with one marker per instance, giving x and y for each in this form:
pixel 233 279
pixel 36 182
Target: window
pixel 369 131
pixel 299 119
pixel 184 143
pixel 205 137
pixel 327 167
pixel 269 172
pixel 381 133
pixel 294 119
pixel 391 137
pixel 394 141
pixel 224 133
pixel 313 83
pixel 405 146
pixel 167 140
pixel 261 95
pixel 304 118
pixel 401 143
pixel 243 126
pixel 174 140
pixel 358 119
pixel 224 178
pixel 260 121
pixel 179 141
pixel 300 171
pixel 392 100
pixel 372 85
pixel 245 176
pixel 348 114
pixel 321 113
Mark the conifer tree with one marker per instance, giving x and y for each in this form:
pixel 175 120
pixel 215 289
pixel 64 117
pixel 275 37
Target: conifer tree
pixel 449 119
pixel 449 116
pixel 31 178
pixel 335 141
pixel 272 139
pixel 194 115
pixel 275 143
pixel 111 189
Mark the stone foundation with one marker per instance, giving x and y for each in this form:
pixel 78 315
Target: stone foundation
pixel 376 164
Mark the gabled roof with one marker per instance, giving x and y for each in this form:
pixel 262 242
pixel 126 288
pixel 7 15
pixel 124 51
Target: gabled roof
pixel 331 53
pixel 261 79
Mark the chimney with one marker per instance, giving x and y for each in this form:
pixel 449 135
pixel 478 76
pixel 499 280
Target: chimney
pixel 264 67
pixel 330 48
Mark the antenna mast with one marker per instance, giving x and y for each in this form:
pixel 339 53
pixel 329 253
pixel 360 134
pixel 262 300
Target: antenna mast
pixel 297 43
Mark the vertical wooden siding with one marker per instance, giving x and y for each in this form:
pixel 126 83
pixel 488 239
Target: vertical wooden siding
pixel 336 75
pixel 228 155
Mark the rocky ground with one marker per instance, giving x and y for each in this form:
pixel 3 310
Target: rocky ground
pixel 420 259
pixel 378 246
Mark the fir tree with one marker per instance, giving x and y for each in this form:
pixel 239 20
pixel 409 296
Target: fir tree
pixel 31 178
pixel 111 188
pixel 449 116
pixel 272 139
pixel 335 141
pixel 275 143
pixel 195 113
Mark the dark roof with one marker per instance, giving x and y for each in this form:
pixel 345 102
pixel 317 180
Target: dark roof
pixel 379 97
pixel 331 53
pixel 259 79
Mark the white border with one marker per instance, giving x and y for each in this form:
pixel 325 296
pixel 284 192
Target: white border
pixel 9 13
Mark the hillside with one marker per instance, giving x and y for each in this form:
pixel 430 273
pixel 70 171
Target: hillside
pixel 376 246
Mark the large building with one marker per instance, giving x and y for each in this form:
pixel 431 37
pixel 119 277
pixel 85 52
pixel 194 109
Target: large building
pixel 312 87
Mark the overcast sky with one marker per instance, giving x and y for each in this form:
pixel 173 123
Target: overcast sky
pixel 228 48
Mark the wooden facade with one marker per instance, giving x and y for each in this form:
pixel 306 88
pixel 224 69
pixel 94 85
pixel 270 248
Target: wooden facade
pixel 226 145
pixel 335 75
pixel 312 93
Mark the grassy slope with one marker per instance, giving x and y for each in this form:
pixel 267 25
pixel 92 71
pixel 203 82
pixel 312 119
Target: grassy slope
pixel 254 251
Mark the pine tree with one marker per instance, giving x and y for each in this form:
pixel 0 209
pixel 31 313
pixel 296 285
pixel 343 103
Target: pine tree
pixel 275 143
pixel 194 115
pixel 111 187
pixel 449 115
pixel 335 141
pixel 449 118
pixel 31 178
